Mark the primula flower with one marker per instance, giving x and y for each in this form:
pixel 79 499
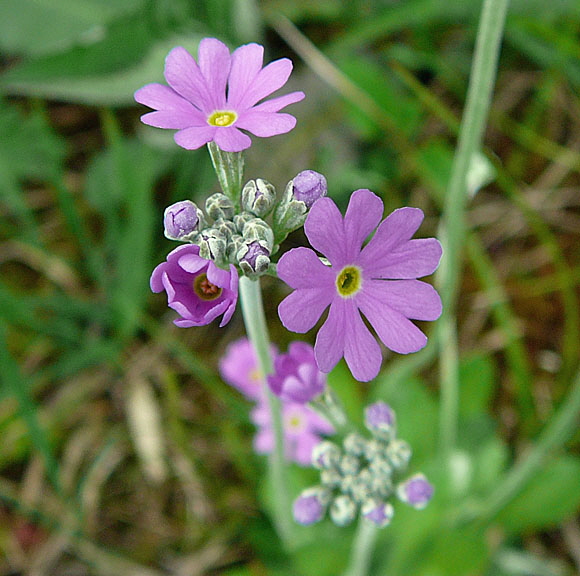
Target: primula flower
pixel 217 96
pixel 196 288
pixel 296 375
pixel 302 429
pixel 239 368
pixel 378 280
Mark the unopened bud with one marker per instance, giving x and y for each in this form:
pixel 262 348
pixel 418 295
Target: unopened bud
pixel 258 197
pixel 377 512
pixel 218 206
pixel 416 491
pixel 326 455
pixel 380 420
pixel 256 229
pixel 212 245
pixel 311 505
pixel 342 510
pixel 309 186
pixel 180 220
pixel 253 259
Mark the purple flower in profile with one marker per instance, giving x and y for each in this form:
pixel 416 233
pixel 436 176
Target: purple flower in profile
pixel 302 430
pixel 378 280
pixel 216 97
pixel 196 288
pixel 296 375
pixel 239 368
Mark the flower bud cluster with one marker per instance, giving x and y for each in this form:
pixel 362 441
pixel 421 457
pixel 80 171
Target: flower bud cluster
pixel 362 475
pixel 239 235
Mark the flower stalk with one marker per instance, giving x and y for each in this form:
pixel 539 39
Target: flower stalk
pixel 362 548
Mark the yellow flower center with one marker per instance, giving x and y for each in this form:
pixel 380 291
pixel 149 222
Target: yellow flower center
pixel 205 289
pixel 222 118
pixel 349 281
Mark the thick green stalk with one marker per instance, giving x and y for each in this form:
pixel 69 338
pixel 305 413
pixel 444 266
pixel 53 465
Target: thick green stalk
pixel 256 327
pixel 478 101
pixel 362 548
pixel 229 168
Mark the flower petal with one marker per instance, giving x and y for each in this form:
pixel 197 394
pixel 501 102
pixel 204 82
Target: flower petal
pixel 412 259
pixel 301 268
pixel 276 104
pixel 174 119
pixel 195 137
pixel 214 62
pixel 325 231
pixel 412 298
pixel 363 214
pixel 161 97
pixel 395 330
pixel 246 64
pixel 184 76
pixel 230 139
pixel 361 351
pixel 329 345
pixel 266 124
pixel 302 309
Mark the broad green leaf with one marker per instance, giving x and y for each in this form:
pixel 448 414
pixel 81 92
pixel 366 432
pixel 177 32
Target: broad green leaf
pixel 550 498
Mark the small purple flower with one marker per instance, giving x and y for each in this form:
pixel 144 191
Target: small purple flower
pixel 196 288
pixel 217 96
pixel 239 368
pixel 378 280
pixel 180 219
pixel 302 431
pixel 416 491
pixel 296 375
pixel 308 507
pixel 309 186
pixel 380 417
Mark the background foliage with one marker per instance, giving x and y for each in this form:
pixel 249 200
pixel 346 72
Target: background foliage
pixel 122 450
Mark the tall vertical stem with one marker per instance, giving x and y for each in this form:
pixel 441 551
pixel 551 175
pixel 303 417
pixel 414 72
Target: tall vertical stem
pixel 478 101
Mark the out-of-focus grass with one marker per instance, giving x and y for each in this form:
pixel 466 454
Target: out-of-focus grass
pixel 91 364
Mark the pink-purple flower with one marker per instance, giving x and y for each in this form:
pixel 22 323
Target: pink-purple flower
pixel 196 288
pixel 378 281
pixel 302 426
pixel 296 375
pixel 220 95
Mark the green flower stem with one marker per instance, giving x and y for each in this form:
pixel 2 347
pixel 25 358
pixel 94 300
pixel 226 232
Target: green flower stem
pixel 229 168
pixel 255 321
pixel 477 105
pixel 362 548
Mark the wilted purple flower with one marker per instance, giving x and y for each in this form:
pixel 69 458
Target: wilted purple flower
pixel 196 288
pixel 180 219
pixel 217 96
pixel 379 281
pixel 416 491
pixel 296 375
pixel 302 430
pixel 308 507
pixel 309 186
pixel 239 368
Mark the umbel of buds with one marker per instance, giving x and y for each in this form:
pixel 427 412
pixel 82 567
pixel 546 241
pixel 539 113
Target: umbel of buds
pixel 362 475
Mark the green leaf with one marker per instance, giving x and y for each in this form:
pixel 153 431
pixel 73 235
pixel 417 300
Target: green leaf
pixel 551 497
pixel 477 374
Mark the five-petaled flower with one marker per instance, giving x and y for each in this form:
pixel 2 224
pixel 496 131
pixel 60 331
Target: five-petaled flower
pixel 196 288
pixel 219 95
pixel 378 280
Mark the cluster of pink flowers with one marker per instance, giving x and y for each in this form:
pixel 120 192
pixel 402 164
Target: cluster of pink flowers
pixel 296 380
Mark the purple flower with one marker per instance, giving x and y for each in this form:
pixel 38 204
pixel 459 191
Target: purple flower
pixel 180 219
pixel 296 375
pixel 302 430
pixel 239 368
pixel 309 186
pixel 217 96
pixel 196 288
pixel 379 281
pixel 416 491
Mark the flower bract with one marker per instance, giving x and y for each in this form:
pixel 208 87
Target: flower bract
pixel 196 288
pixel 378 281
pixel 219 95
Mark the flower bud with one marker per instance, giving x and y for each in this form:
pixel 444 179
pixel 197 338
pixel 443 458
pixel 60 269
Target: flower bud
pixel 349 464
pixel 355 444
pixel 180 220
pixel 309 186
pixel 258 197
pixel 218 206
pixel 416 491
pixel 224 228
pixel 241 219
pixel 399 454
pixel 310 506
pixel 380 420
pixel 253 259
pixel 326 455
pixel 342 510
pixel 377 512
pixel 212 245
pixel 257 229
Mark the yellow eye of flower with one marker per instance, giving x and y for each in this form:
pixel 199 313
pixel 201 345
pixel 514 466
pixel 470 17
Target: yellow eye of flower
pixel 222 118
